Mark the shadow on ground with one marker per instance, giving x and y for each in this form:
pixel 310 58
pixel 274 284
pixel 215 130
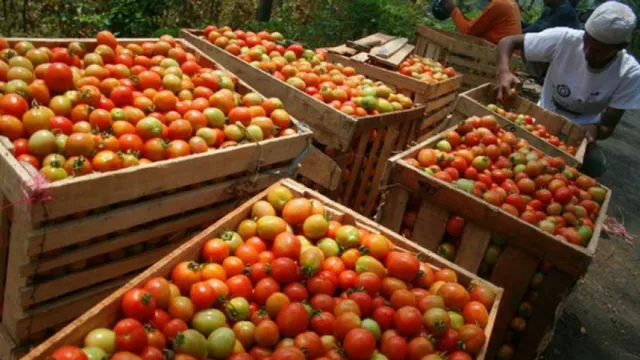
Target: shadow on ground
pixel 602 317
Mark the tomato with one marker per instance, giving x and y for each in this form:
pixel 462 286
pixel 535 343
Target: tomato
pixel 292 319
pixel 322 323
pixel 284 270
pixel 29 159
pixel 483 294
pixel 264 289
pixel 359 344
pixel 286 245
pixel 475 312
pixel 106 160
pixel 59 77
pixel 186 274
pixel 11 127
pixel 13 104
pixel 69 353
pixel 240 285
pixel 138 304
pixel 177 148
pixel 296 211
pixel 296 292
pixel 472 337
pixel 402 265
pixel 394 348
pixel 455 225
pixel 455 296
pixel 130 335
pixel 315 227
pixel 436 321
pixel 202 295
pixel 403 297
pixel 101 338
pixel 323 302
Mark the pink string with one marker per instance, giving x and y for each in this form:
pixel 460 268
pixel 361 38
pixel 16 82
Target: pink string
pixel 613 227
pixel 39 194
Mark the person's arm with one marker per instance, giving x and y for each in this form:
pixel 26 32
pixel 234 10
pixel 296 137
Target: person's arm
pixel 608 122
pixel 505 78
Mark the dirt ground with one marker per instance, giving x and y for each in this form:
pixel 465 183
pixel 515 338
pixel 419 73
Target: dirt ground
pixel 602 317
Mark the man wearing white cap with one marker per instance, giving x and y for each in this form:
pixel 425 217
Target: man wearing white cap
pixel 591 79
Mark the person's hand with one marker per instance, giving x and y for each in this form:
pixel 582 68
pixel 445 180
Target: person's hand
pixel 448 5
pixel 591 134
pixel 505 82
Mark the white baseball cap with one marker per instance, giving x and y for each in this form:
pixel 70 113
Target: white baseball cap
pixel 611 23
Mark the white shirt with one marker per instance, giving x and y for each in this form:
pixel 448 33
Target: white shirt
pixel 573 85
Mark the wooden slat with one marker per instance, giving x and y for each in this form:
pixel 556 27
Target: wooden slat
pixel 75 281
pixel 4 235
pixel 122 241
pixel 372 154
pixel 355 168
pixel 390 140
pixel 71 232
pixel 515 284
pixel 437 117
pixel 430 226
pixel 390 48
pixel 457 62
pixel 394 208
pixel 473 245
pixel 321 169
pixel 438 103
pixel 555 288
pixel 396 59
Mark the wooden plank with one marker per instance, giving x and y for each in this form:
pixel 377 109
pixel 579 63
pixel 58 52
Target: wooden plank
pixel 555 288
pixel 360 57
pixel 4 235
pixel 390 48
pixel 52 289
pixel 118 242
pixel 437 117
pixel 355 168
pixel 430 225
pixel 71 232
pixel 439 102
pixel 64 310
pixel 515 284
pixel 106 312
pixel 473 245
pixel 457 61
pixel 394 207
pixel 371 154
pixel 390 140
pixel 330 127
pixel 396 59
pixel 321 169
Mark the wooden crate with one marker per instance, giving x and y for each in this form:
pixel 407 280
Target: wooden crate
pixel 439 98
pixel 345 135
pixel 141 212
pixel 526 247
pixel 473 57
pixel 475 101
pixel 106 313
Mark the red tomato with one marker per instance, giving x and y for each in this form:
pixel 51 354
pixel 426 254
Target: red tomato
pixel 61 124
pixel 265 288
pixel 384 316
pixel 322 323
pixel 359 344
pixel 395 348
pixel 408 320
pixel 138 304
pixel 284 270
pixel 292 319
pixel 240 286
pixel 402 265
pixel 202 295
pixel 130 335
pixel 59 77
pixel 69 353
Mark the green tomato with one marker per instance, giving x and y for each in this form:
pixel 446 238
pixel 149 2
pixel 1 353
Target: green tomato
pixel 95 353
pixel 191 342
pixel 348 236
pixel 329 247
pixel 378 356
pixel 102 338
pixel 232 239
pixel 221 343
pixel 215 117
pixel 207 321
pixel 237 309
pixel 456 320
pixel 372 326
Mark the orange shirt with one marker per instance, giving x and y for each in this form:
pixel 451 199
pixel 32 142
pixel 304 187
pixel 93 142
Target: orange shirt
pixel 499 19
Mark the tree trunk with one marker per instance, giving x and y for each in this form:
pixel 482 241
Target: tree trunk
pixel 264 10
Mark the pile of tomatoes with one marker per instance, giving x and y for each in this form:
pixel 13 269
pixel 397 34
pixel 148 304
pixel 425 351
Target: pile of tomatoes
pixel 71 111
pixel 306 70
pixel 290 284
pixel 425 69
pixel 538 130
pixel 493 164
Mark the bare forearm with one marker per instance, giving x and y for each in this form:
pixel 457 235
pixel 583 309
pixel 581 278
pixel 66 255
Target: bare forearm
pixel 506 47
